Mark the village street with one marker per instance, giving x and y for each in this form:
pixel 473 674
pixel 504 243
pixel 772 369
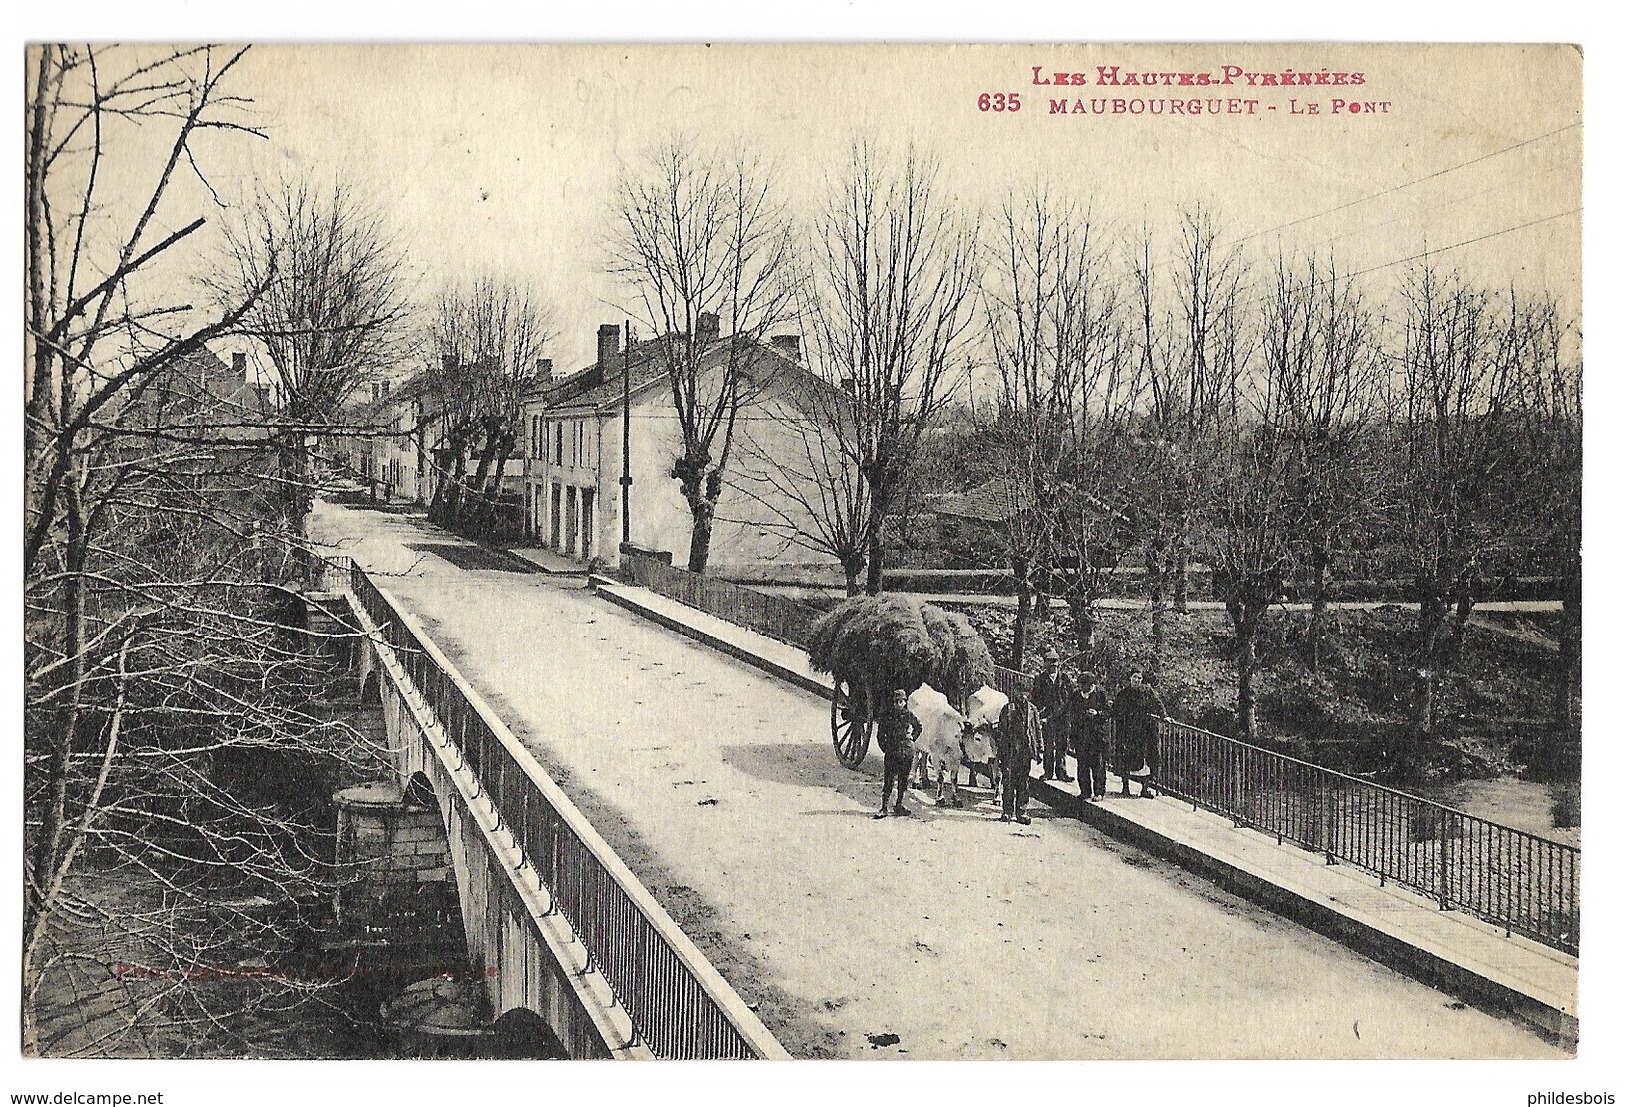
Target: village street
pixel 946 935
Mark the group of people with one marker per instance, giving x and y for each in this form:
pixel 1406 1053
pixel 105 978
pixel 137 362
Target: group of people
pixel 1076 716
pixel 1065 711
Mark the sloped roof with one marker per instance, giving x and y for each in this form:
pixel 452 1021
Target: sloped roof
pixel 408 391
pixel 202 393
pixel 202 372
pixel 588 391
pixel 998 501
pixel 592 390
pixel 1001 500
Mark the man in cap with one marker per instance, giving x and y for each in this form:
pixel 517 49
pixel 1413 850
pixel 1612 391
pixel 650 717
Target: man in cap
pixel 898 729
pixel 1049 695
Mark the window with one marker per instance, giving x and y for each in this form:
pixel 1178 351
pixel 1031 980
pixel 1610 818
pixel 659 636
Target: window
pixel 558 444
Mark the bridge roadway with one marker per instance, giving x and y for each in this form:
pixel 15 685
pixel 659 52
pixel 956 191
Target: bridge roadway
pixel 960 936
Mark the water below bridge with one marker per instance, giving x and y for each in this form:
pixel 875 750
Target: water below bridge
pixel 947 935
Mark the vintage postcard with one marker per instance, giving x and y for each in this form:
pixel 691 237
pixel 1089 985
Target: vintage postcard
pixel 940 552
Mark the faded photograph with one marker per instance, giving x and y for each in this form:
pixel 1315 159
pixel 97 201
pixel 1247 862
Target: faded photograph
pixel 761 552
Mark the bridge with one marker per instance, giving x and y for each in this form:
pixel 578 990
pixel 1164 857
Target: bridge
pixel 617 799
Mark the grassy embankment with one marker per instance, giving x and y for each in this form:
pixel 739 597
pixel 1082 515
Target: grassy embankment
pixel 1493 709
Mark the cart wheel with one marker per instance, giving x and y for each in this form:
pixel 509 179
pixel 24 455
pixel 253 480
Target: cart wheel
pixel 850 726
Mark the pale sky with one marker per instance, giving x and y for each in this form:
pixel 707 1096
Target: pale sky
pixel 505 157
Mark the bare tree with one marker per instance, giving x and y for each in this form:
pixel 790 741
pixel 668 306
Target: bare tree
pixel 1067 391
pixel 331 317
pixel 1186 342
pixel 798 463
pixel 1253 519
pixel 1466 371
pixel 156 648
pixel 1524 518
pixel 487 341
pixel 702 241
pixel 886 305
pixel 98 326
pixel 1327 397
pixel 1557 449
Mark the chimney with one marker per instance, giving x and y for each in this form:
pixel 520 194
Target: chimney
pixel 787 346
pixel 239 365
pixel 708 327
pixel 609 345
pixel 544 370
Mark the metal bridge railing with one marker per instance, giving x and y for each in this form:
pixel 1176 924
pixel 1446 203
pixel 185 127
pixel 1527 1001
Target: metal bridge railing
pixel 332 574
pixel 774 616
pixel 677 1003
pixel 1519 881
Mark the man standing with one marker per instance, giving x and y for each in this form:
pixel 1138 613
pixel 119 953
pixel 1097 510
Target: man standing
pixel 1015 741
pixel 1136 711
pixel 1049 696
pixel 1088 711
pixel 898 729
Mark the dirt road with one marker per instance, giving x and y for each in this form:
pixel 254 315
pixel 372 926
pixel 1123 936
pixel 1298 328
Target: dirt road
pixel 946 935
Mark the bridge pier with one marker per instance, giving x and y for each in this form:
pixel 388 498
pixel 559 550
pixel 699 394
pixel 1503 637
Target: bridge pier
pixel 398 848
pixel 521 968
pixel 562 928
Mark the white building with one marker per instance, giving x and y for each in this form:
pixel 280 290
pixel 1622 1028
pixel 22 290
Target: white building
pixel 574 457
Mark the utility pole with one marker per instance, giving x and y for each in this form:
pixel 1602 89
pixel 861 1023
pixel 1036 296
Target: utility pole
pixel 626 437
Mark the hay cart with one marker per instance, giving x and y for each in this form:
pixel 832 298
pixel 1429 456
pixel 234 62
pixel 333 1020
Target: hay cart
pixel 873 644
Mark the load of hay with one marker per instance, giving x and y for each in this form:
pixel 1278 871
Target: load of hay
pixel 885 642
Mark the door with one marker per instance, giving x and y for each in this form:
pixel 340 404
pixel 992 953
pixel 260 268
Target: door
pixel 586 524
pixel 572 520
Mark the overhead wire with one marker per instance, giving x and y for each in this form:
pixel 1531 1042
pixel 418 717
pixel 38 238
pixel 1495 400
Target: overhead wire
pixel 1404 184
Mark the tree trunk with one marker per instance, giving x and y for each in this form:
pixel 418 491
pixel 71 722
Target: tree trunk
pixel 1320 560
pixel 451 507
pixel 488 454
pixel 875 582
pixel 1244 620
pixel 48 847
pixel 1430 624
pixel 443 500
pixel 1565 757
pixel 30 989
pixel 499 472
pixel 852 565
pixel 1463 610
pixel 1083 627
pixel 1182 583
pixel 1024 607
pixel 1159 632
pixel 699 540
pixel 1246 707
pixel 304 498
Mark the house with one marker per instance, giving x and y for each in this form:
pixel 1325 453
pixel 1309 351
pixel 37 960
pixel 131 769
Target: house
pixel 204 394
pixel 998 503
pixel 398 440
pixel 573 447
pixel 395 434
